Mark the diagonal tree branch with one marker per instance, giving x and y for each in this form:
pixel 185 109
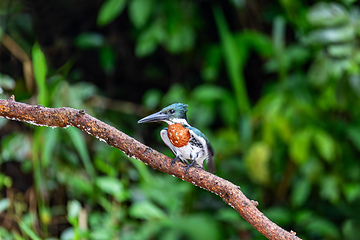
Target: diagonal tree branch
pixel 65 117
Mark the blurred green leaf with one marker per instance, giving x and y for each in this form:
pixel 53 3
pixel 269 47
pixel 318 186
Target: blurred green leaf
pixel 354 82
pixel 208 93
pixel 234 55
pixel 330 189
pixel 89 40
pixel 79 143
pixel 300 146
pixel 74 208
pixel 108 59
pixel 324 14
pixel 175 193
pixel 146 210
pixel 15 147
pixel 331 35
pixel 5 181
pixel 351 229
pixel 4 204
pixel 68 234
pixel 323 227
pixel 152 98
pixel 257 161
pixel 351 192
pixel 279 215
pixel 45 215
pixel 325 145
pixel 6 82
pixel 197 226
pixel 139 12
pixel 110 10
pixel 318 73
pixel 210 70
pixel 149 39
pixel 228 111
pixel 112 186
pixel 40 71
pixel 177 93
pixel 341 50
pixel 51 137
pixel 228 215
pixel 180 39
pixel 353 133
pixel 300 192
pixel 28 231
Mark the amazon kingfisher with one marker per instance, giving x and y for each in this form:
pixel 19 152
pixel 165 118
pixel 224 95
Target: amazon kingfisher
pixel 185 141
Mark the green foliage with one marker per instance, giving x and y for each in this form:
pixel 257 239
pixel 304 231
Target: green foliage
pixel 109 11
pixel 40 70
pixel 294 148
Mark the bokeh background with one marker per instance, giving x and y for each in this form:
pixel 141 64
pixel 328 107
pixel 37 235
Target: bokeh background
pixel 274 85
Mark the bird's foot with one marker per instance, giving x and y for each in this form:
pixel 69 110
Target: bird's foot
pixel 188 166
pixel 175 159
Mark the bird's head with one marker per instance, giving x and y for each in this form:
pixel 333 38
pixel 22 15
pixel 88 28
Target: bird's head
pixel 175 113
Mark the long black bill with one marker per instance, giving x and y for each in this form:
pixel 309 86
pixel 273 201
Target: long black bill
pixel 154 118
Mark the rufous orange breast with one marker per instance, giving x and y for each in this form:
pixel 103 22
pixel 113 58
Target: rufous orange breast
pixel 179 136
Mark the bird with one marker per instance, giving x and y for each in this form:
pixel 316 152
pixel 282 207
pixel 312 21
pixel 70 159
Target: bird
pixel 186 142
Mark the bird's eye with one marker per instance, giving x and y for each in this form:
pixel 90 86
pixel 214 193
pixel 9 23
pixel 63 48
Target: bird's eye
pixel 171 111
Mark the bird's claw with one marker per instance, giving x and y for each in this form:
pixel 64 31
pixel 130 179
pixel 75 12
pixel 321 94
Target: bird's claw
pixel 188 166
pixel 175 159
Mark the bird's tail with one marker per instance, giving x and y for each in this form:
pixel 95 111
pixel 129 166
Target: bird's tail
pixel 210 164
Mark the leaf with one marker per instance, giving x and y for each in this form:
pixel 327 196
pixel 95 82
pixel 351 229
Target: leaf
pixel 354 82
pixel 353 133
pixel 300 192
pixel 146 210
pixel 235 54
pixel 139 12
pixel 341 50
pixel 208 93
pixel 324 227
pixel 351 192
pixel 181 39
pixel 331 35
pixel 152 98
pixel 327 14
pixel 6 82
pixel 211 68
pixel 107 59
pixel 112 186
pixel 40 70
pixel 67 234
pixel 197 226
pixel 79 143
pixel 257 161
pixel 279 215
pixel 329 189
pixel 325 145
pixel 149 39
pixel 89 40
pixel 28 231
pixel 4 204
pixel 45 215
pixel 300 146
pixel 74 208
pixel 110 10
pixel 48 148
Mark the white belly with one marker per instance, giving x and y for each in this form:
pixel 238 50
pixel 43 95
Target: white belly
pixel 190 152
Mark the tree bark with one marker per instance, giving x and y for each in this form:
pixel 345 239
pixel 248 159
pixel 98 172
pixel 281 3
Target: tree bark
pixel 65 117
